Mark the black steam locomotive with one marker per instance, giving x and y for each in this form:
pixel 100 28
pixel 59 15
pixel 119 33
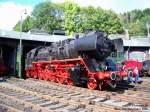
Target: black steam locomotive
pixel 73 61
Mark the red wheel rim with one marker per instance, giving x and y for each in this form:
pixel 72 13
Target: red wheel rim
pixel 48 76
pixel 60 80
pixel 57 79
pixel 69 82
pixel 53 79
pixel 44 76
pixel 27 74
pixel 32 74
pixel 35 75
pixel 39 75
pixel 92 84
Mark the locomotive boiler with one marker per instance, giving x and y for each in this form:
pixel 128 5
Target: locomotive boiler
pixel 74 61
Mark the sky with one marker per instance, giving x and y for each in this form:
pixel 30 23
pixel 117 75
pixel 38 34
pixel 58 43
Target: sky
pixel 11 10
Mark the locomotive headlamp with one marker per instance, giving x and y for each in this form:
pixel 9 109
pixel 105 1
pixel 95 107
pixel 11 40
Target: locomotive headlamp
pixel 72 69
pixel 113 76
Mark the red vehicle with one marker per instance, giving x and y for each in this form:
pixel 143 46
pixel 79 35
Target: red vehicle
pixel 74 62
pixel 130 65
pixel 3 68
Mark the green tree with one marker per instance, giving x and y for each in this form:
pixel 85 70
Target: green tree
pixel 112 23
pixel 144 21
pixel 17 27
pixel 78 19
pixel 27 24
pixel 71 15
pixel 136 21
pixel 104 20
pixel 48 16
pixel 135 28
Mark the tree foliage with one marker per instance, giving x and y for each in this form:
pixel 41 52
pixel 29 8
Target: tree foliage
pixel 27 24
pixel 71 17
pixel 78 19
pixel 135 21
pixel 48 16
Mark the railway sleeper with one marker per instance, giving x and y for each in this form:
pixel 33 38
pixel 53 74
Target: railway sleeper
pixel 102 103
pixel 21 105
pixel 46 104
pixel 90 97
pixel 57 106
pixel 5 108
pixel 39 101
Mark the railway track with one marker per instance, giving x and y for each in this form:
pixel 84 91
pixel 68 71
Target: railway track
pixel 16 93
pixel 25 100
pixel 90 100
pixel 11 101
pixel 106 95
pixel 4 108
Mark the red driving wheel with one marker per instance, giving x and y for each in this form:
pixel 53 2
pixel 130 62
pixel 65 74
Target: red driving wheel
pixel 48 75
pixel 28 74
pixel 40 75
pixel 92 84
pixel 69 82
pixel 60 80
pixel 35 75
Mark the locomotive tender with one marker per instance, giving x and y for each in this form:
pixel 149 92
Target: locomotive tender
pixel 74 61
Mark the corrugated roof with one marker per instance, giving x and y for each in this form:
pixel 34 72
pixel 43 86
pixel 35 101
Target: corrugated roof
pixel 137 42
pixel 33 37
pixel 133 42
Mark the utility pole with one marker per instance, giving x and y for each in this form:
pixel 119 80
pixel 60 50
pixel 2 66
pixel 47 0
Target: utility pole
pixel 148 35
pixel 148 32
pixel 20 44
pixel 148 27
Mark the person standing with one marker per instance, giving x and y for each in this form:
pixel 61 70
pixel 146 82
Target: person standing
pixel 136 72
pixel 130 76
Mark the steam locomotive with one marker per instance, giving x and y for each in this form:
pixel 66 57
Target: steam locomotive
pixel 79 61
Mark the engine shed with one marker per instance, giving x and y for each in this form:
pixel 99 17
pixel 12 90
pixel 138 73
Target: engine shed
pixel 9 48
